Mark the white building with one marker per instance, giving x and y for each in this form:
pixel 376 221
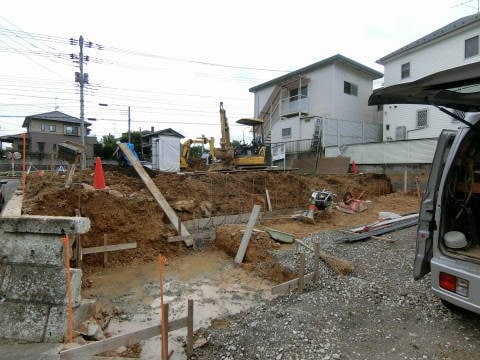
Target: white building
pixel 326 101
pixel 453 45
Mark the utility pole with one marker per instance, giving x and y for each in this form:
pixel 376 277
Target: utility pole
pixel 82 79
pixel 129 138
pixel 82 103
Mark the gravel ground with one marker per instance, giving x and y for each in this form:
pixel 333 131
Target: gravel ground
pixel 376 312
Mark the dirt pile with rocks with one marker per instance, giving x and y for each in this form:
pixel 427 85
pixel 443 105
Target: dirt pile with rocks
pixel 127 212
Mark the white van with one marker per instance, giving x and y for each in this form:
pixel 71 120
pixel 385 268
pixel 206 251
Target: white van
pixel 448 242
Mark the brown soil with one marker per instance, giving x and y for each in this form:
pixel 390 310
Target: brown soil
pixel 127 212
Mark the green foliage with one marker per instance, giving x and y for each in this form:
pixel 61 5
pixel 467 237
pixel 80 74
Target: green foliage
pixel 105 147
pixel 136 140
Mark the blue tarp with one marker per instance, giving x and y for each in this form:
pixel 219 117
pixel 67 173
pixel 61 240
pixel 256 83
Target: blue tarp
pixel 123 159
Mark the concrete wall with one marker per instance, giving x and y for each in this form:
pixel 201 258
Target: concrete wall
pixel 33 286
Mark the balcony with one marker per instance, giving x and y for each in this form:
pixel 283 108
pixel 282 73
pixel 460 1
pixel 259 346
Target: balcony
pixel 294 105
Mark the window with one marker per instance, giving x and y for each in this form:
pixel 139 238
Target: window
pixel 54 147
pixel 286 132
pixel 405 70
pixel 294 93
pixel 42 127
pixel 349 88
pixel 387 127
pixel 52 128
pixel 71 130
pixel 422 118
pixel 41 147
pixel 471 47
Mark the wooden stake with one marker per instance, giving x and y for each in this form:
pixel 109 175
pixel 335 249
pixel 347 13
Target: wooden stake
pixel 246 236
pixel 165 332
pixel 269 204
pixel 316 272
pixel 78 239
pixel 301 275
pixel 189 349
pixel 66 243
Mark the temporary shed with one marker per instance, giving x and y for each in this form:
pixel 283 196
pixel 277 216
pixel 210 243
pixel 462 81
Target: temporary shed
pixel 165 150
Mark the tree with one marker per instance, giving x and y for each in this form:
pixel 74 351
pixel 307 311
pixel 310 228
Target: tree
pixel 105 147
pixel 135 139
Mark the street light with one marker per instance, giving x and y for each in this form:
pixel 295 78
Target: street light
pixel 129 120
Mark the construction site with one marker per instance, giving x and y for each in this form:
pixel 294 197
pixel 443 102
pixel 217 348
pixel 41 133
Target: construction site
pixel 132 234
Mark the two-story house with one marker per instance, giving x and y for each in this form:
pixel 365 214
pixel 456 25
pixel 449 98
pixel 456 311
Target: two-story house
pixel 46 131
pixel 450 46
pixel 323 103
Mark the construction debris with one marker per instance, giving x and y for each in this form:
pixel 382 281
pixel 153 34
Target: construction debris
pixel 381 227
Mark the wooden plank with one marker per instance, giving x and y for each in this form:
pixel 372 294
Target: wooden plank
pixel 189 348
pixel 115 342
pixel 172 216
pixel 164 311
pixel 246 236
pixel 116 247
pixel 301 275
pixel 290 285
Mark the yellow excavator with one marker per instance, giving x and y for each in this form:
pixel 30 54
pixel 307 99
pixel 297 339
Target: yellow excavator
pixel 243 156
pixel 186 149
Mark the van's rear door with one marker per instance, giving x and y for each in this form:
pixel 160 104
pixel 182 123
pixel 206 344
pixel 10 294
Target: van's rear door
pixel 426 221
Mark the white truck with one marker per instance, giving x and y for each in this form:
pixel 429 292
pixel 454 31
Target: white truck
pixel 448 242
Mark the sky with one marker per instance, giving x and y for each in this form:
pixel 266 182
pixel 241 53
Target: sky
pixel 173 62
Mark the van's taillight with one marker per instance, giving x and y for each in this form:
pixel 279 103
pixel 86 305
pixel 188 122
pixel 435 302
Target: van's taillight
pixel 454 284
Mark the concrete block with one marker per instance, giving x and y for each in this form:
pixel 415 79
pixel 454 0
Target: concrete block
pixel 39 284
pixel 39 249
pixel 24 322
pixel 57 324
pixel 45 224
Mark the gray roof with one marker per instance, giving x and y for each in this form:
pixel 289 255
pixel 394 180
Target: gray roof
pixel 454 26
pixel 322 63
pixel 165 132
pixel 54 116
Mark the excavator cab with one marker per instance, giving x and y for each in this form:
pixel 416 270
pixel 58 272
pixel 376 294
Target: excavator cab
pixel 252 154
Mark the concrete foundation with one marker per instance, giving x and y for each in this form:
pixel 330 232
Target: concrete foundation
pixel 33 285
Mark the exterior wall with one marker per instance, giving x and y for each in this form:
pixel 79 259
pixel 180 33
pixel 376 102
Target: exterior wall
pixel 301 129
pixel 166 153
pixel 351 107
pixel 438 55
pixel 50 140
pixel 326 99
pixel 399 152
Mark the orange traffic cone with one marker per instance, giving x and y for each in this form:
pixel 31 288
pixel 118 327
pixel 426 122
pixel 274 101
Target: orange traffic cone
pixel 98 179
pixel 354 168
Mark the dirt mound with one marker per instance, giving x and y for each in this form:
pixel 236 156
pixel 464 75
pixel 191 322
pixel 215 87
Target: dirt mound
pixel 127 212
pixel 257 258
